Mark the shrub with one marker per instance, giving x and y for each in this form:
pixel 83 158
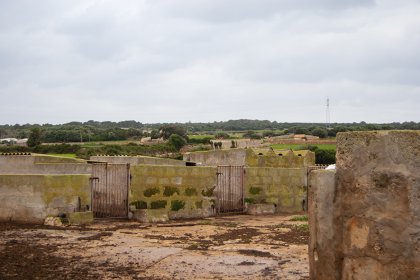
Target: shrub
pixel 325 156
pixel 176 141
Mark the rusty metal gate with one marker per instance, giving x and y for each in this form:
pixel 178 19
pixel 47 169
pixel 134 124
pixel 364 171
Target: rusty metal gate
pixel 110 183
pixel 230 189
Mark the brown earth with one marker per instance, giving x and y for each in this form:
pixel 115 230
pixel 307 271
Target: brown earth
pixel 235 247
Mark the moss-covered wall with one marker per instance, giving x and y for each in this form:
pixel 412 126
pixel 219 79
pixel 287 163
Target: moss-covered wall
pixel 184 192
pixel 279 158
pixel 263 157
pixel 31 198
pixel 284 187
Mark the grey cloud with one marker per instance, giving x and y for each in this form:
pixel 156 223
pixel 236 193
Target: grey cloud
pixel 157 61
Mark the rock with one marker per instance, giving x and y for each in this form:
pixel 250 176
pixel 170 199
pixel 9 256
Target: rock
pixel 53 221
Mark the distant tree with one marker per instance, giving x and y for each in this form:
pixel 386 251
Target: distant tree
pixel 252 134
pixel 34 137
pixel 268 133
pixel 155 134
pixel 301 130
pixel 320 132
pixel 221 135
pixel 168 130
pixel 21 134
pixel 176 141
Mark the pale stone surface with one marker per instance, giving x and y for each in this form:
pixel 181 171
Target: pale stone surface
pixel 260 209
pixel 321 240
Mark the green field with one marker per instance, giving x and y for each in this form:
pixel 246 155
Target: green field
pixel 200 136
pixel 64 155
pixel 294 146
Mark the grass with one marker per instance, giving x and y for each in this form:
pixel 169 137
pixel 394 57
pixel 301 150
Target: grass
pixel 299 218
pixel 64 155
pixel 303 227
pixel 295 146
pixel 200 136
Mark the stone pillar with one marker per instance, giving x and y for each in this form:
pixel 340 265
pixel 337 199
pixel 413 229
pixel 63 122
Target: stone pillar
pixel 375 209
pixel 322 262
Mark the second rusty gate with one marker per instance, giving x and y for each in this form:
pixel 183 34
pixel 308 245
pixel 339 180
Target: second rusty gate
pixel 110 183
pixel 230 189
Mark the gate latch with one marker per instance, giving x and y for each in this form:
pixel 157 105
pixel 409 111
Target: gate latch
pixel 94 178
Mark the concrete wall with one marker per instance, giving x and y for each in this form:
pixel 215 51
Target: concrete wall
pixel 31 198
pixel 253 158
pixel 375 209
pixel 41 164
pixel 218 157
pixel 137 160
pixel 284 187
pixel 172 187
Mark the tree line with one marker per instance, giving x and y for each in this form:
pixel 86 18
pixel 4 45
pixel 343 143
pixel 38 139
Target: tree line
pixel 126 130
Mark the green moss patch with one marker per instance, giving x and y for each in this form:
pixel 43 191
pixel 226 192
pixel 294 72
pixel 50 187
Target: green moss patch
pixel 177 205
pixel 255 190
pixel 190 191
pixel 199 204
pixel 208 191
pixel 139 204
pixel 249 200
pixel 169 191
pixel 158 204
pixel 151 191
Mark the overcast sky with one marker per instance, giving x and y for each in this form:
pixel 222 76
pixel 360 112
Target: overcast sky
pixel 209 60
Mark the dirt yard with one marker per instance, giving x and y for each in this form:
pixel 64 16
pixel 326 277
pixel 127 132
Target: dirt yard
pixel 235 247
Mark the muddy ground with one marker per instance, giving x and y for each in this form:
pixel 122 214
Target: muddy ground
pixel 235 247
